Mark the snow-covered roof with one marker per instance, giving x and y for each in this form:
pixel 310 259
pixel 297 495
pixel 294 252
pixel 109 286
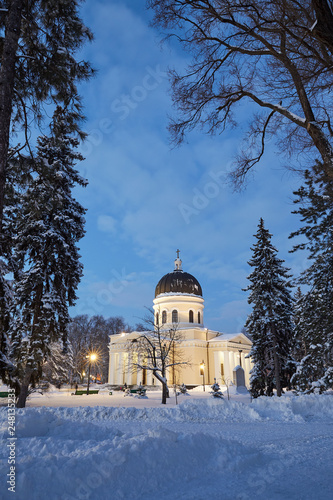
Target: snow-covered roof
pixel 223 337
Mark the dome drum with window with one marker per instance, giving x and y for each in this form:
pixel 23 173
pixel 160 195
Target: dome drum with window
pixel 178 299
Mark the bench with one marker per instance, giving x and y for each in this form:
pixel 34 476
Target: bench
pixel 135 391
pixel 80 393
pixel 3 394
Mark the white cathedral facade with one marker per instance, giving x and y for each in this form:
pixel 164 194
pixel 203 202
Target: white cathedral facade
pixel 210 354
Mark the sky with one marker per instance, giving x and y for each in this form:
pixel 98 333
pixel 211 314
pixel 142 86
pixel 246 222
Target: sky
pixel 146 199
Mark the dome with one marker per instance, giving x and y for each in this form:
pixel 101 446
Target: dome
pixel 178 282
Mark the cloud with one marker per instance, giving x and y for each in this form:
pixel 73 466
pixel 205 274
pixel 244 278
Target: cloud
pixel 106 223
pixel 139 186
pixel 232 316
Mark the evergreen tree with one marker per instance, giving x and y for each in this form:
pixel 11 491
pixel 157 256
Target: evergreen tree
pixel 59 365
pixel 270 322
pixel 38 46
pixel 315 325
pixel 216 390
pixel 183 389
pixel 141 391
pixel 299 348
pixel 18 176
pixel 48 270
pixel 6 295
pixel 37 65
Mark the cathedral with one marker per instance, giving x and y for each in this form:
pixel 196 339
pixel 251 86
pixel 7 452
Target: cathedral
pixel 210 354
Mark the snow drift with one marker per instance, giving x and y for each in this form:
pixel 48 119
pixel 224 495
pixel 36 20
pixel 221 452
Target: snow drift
pixel 200 449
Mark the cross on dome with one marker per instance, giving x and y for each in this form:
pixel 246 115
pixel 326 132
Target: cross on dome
pixel 178 262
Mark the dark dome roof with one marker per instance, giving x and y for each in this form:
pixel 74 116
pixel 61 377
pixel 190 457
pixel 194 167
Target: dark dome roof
pixel 178 282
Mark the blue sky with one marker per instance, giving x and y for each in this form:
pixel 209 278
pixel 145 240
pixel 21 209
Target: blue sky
pixel 146 199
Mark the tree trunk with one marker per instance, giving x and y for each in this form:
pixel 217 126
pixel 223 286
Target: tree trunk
pixel 323 30
pixel 324 147
pixel 164 393
pixel 7 78
pixel 24 390
pixel 163 381
pixel 276 364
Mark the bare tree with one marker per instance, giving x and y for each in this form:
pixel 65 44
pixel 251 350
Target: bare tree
pixel 158 350
pixel 323 29
pixel 275 54
pixel 93 334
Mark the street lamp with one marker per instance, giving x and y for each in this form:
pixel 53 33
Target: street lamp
pixel 202 372
pixel 92 358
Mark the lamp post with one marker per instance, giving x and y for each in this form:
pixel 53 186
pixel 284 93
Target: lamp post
pixel 202 372
pixel 92 357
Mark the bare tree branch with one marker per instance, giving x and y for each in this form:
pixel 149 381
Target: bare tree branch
pixel 264 51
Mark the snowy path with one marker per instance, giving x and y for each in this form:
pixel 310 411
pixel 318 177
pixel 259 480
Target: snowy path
pixel 277 449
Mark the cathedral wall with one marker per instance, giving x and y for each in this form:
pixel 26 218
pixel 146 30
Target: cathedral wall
pixel 220 359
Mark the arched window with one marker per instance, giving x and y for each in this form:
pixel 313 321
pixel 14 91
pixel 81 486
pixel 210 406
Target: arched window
pixel 174 316
pixel 164 317
pixel 190 316
pixel 157 319
pixel 199 317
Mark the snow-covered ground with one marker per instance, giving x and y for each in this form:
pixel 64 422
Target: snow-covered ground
pixel 202 449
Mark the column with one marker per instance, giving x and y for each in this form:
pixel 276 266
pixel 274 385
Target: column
pixel 232 365
pixel 139 370
pixel 227 376
pixel 217 366
pixel 247 368
pixel 128 370
pixel 134 368
pixel 149 377
pixel 119 368
pixel 124 366
pixel 111 368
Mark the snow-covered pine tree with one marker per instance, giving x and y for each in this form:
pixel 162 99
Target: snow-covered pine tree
pixel 5 307
pixel 183 389
pixel 315 310
pixel 6 300
pixel 48 267
pixel 141 391
pixel 39 44
pixel 299 348
pixel 270 322
pixel 313 370
pixel 59 365
pixel 216 390
pixel 18 176
pixel 38 47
